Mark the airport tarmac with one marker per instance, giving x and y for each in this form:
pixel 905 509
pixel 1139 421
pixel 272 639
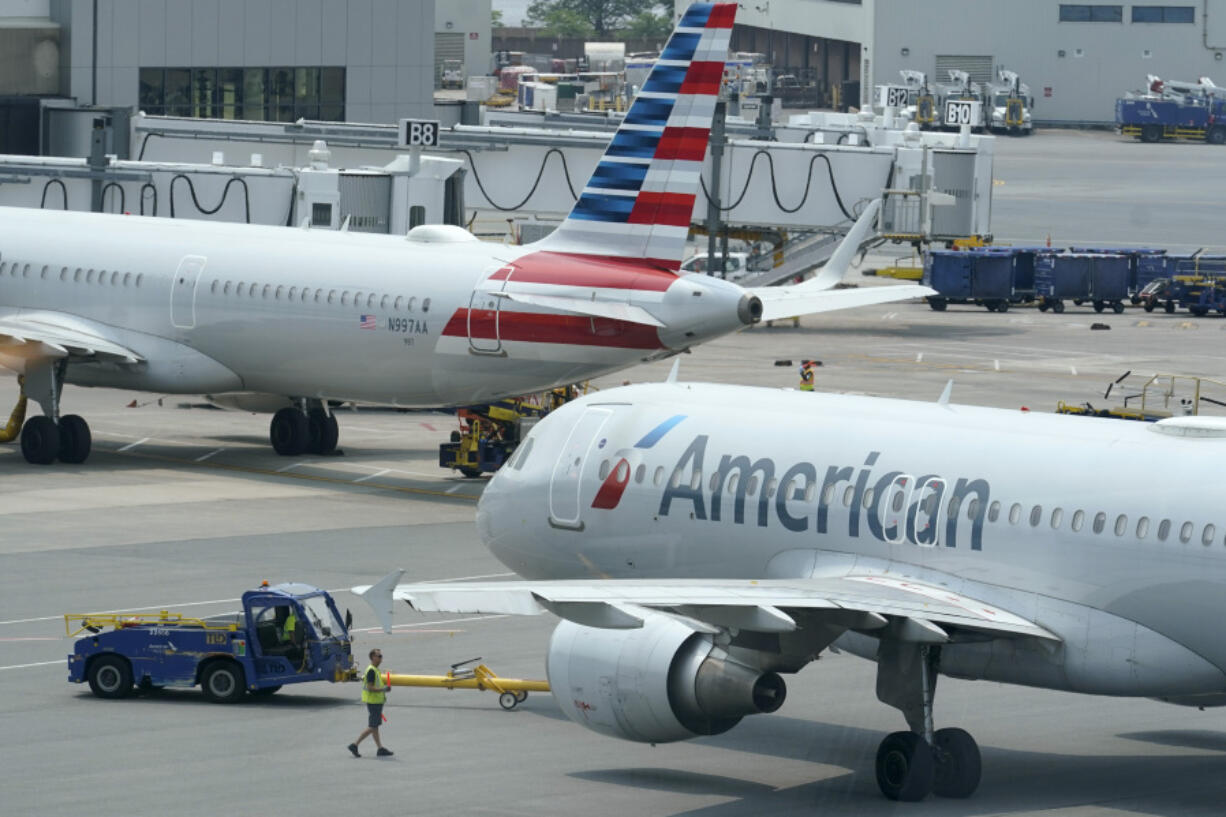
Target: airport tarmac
pixel 184 508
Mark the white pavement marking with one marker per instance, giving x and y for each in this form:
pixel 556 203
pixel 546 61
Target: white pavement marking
pixel 378 473
pixel 1073 369
pixel 39 664
pixel 290 467
pixel 919 357
pixel 204 457
pixel 996 365
pixel 133 445
pixel 453 489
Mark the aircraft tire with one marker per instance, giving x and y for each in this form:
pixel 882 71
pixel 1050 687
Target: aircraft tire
pixel 40 440
pixel 75 439
pixel 905 767
pixel 323 432
pixel 958 764
pixel 289 432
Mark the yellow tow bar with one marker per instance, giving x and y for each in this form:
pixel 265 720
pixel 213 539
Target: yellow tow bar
pixel 511 691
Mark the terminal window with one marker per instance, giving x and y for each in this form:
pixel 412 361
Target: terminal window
pixel 1163 14
pixel 1091 14
pixel 269 94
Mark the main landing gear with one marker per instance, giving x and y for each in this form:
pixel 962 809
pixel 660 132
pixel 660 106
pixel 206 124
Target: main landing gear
pixel 48 437
pixel 911 765
pixel 306 428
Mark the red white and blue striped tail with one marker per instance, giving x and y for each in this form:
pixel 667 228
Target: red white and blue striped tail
pixel 639 201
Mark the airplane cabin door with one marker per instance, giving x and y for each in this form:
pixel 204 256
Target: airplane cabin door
pixel 183 292
pixel 566 484
pixel 484 311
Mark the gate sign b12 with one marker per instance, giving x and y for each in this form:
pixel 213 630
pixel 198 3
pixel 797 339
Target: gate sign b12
pixel 891 96
pixel 419 133
pixel 961 112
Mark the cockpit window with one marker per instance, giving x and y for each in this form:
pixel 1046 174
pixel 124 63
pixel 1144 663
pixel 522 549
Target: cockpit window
pixel 521 455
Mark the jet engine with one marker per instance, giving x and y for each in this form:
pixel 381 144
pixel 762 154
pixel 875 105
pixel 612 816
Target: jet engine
pixel 658 683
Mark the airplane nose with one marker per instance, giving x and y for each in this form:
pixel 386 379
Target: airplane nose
pixel 749 310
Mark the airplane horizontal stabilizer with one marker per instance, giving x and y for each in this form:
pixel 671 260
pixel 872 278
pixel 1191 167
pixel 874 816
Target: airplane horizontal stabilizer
pixel 584 306
pixel 877 601
pixel 785 302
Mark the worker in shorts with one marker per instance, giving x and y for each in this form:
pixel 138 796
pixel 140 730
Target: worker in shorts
pixel 374 693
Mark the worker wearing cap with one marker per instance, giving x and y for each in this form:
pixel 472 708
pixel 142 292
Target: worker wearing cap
pixel 806 375
pixel 374 693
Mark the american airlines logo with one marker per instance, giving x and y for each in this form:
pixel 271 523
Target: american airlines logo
pixel 891 506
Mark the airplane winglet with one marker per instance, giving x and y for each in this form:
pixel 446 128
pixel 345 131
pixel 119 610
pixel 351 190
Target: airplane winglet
pixel 834 270
pixel 379 597
pixel 672 374
pixel 943 400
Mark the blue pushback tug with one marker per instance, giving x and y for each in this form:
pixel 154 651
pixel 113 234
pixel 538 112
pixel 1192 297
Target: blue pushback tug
pixel 284 634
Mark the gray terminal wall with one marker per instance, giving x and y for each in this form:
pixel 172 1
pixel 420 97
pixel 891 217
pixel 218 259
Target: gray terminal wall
pixel 1075 70
pixel 386 46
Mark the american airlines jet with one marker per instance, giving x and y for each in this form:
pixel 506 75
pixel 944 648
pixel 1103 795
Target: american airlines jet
pixel 696 549
pixel 434 318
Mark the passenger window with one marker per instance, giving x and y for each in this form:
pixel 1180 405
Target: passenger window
pixel 306 293
pixel 140 278
pixel 89 277
pixel 280 292
pixel 639 474
pixel 399 301
pixel 357 298
pixel 1100 522
pixel 267 291
pixel 604 469
pixel 63 273
pixel 1185 532
pixel 771 486
pixel 225 290
pixel 25 271
pixel 1015 513
pixel 1121 524
pixel 293 293
pixel 734 481
pixel 76 276
pixel 994 511
pixel 44 274
pixel 714 481
pixel 810 492
pixel 658 478
pixel 1206 537
pixel 370 301
pixel 1142 527
pixel 868 498
pixel 411 304
pixel 1036 516
pixel 384 300
pixel 3 266
pixel 1079 518
pixel 425 305
pixel 848 493
pixel 213 288
pixel 972 508
pixel 345 298
pixel 1057 516
pixel 127 278
pixel 675 479
pixel 1164 530
pixel 114 277
pixel 332 296
pixel 954 506
pixel 696 480
pixel 318 294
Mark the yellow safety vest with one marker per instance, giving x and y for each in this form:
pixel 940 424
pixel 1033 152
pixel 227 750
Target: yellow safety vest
pixel 287 630
pixel 369 697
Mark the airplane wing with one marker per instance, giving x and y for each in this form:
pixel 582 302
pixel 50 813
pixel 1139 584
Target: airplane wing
pixel 42 335
pixel 916 611
pixel 817 294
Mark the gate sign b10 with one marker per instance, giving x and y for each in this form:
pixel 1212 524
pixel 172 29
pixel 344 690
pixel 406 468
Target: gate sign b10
pixel 892 96
pixel 419 133
pixel 961 112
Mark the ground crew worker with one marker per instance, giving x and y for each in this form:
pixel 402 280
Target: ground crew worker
pixel 806 375
pixel 374 693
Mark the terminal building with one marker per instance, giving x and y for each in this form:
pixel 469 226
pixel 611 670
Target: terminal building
pixel 1077 58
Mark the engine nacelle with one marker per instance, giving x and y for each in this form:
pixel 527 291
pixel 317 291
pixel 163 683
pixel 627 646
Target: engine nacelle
pixel 659 683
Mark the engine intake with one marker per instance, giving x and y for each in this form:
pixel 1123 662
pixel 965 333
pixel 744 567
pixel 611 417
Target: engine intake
pixel 659 683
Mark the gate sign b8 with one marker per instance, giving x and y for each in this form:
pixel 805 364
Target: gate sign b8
pixel 961 112
pixel 892 96
pixel 419 133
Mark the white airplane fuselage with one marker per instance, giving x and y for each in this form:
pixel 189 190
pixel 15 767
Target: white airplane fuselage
pixel 1109 534
pixel 216 308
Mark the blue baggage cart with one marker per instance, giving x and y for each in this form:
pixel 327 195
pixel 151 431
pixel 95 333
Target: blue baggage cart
pixel 1142 265
pixel 1108 281
pixel 981 276
pixel 1062 276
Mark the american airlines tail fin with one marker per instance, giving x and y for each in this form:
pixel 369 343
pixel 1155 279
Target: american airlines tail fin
pixel 639 200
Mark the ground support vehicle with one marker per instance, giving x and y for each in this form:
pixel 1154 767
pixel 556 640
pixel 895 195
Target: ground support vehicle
pixel 1074 276
pixel 969 276
pixel 1141 265
pixel 256 650
pixel 1160 396
pixel 490 432
pixel 1152 118
pixel 1157 291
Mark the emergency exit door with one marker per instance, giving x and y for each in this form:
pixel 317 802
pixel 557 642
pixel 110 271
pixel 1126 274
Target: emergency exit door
pixel 183 292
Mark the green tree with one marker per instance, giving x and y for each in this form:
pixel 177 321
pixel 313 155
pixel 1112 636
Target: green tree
pixel 496 18
pixel 647 25
pixel 600 18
